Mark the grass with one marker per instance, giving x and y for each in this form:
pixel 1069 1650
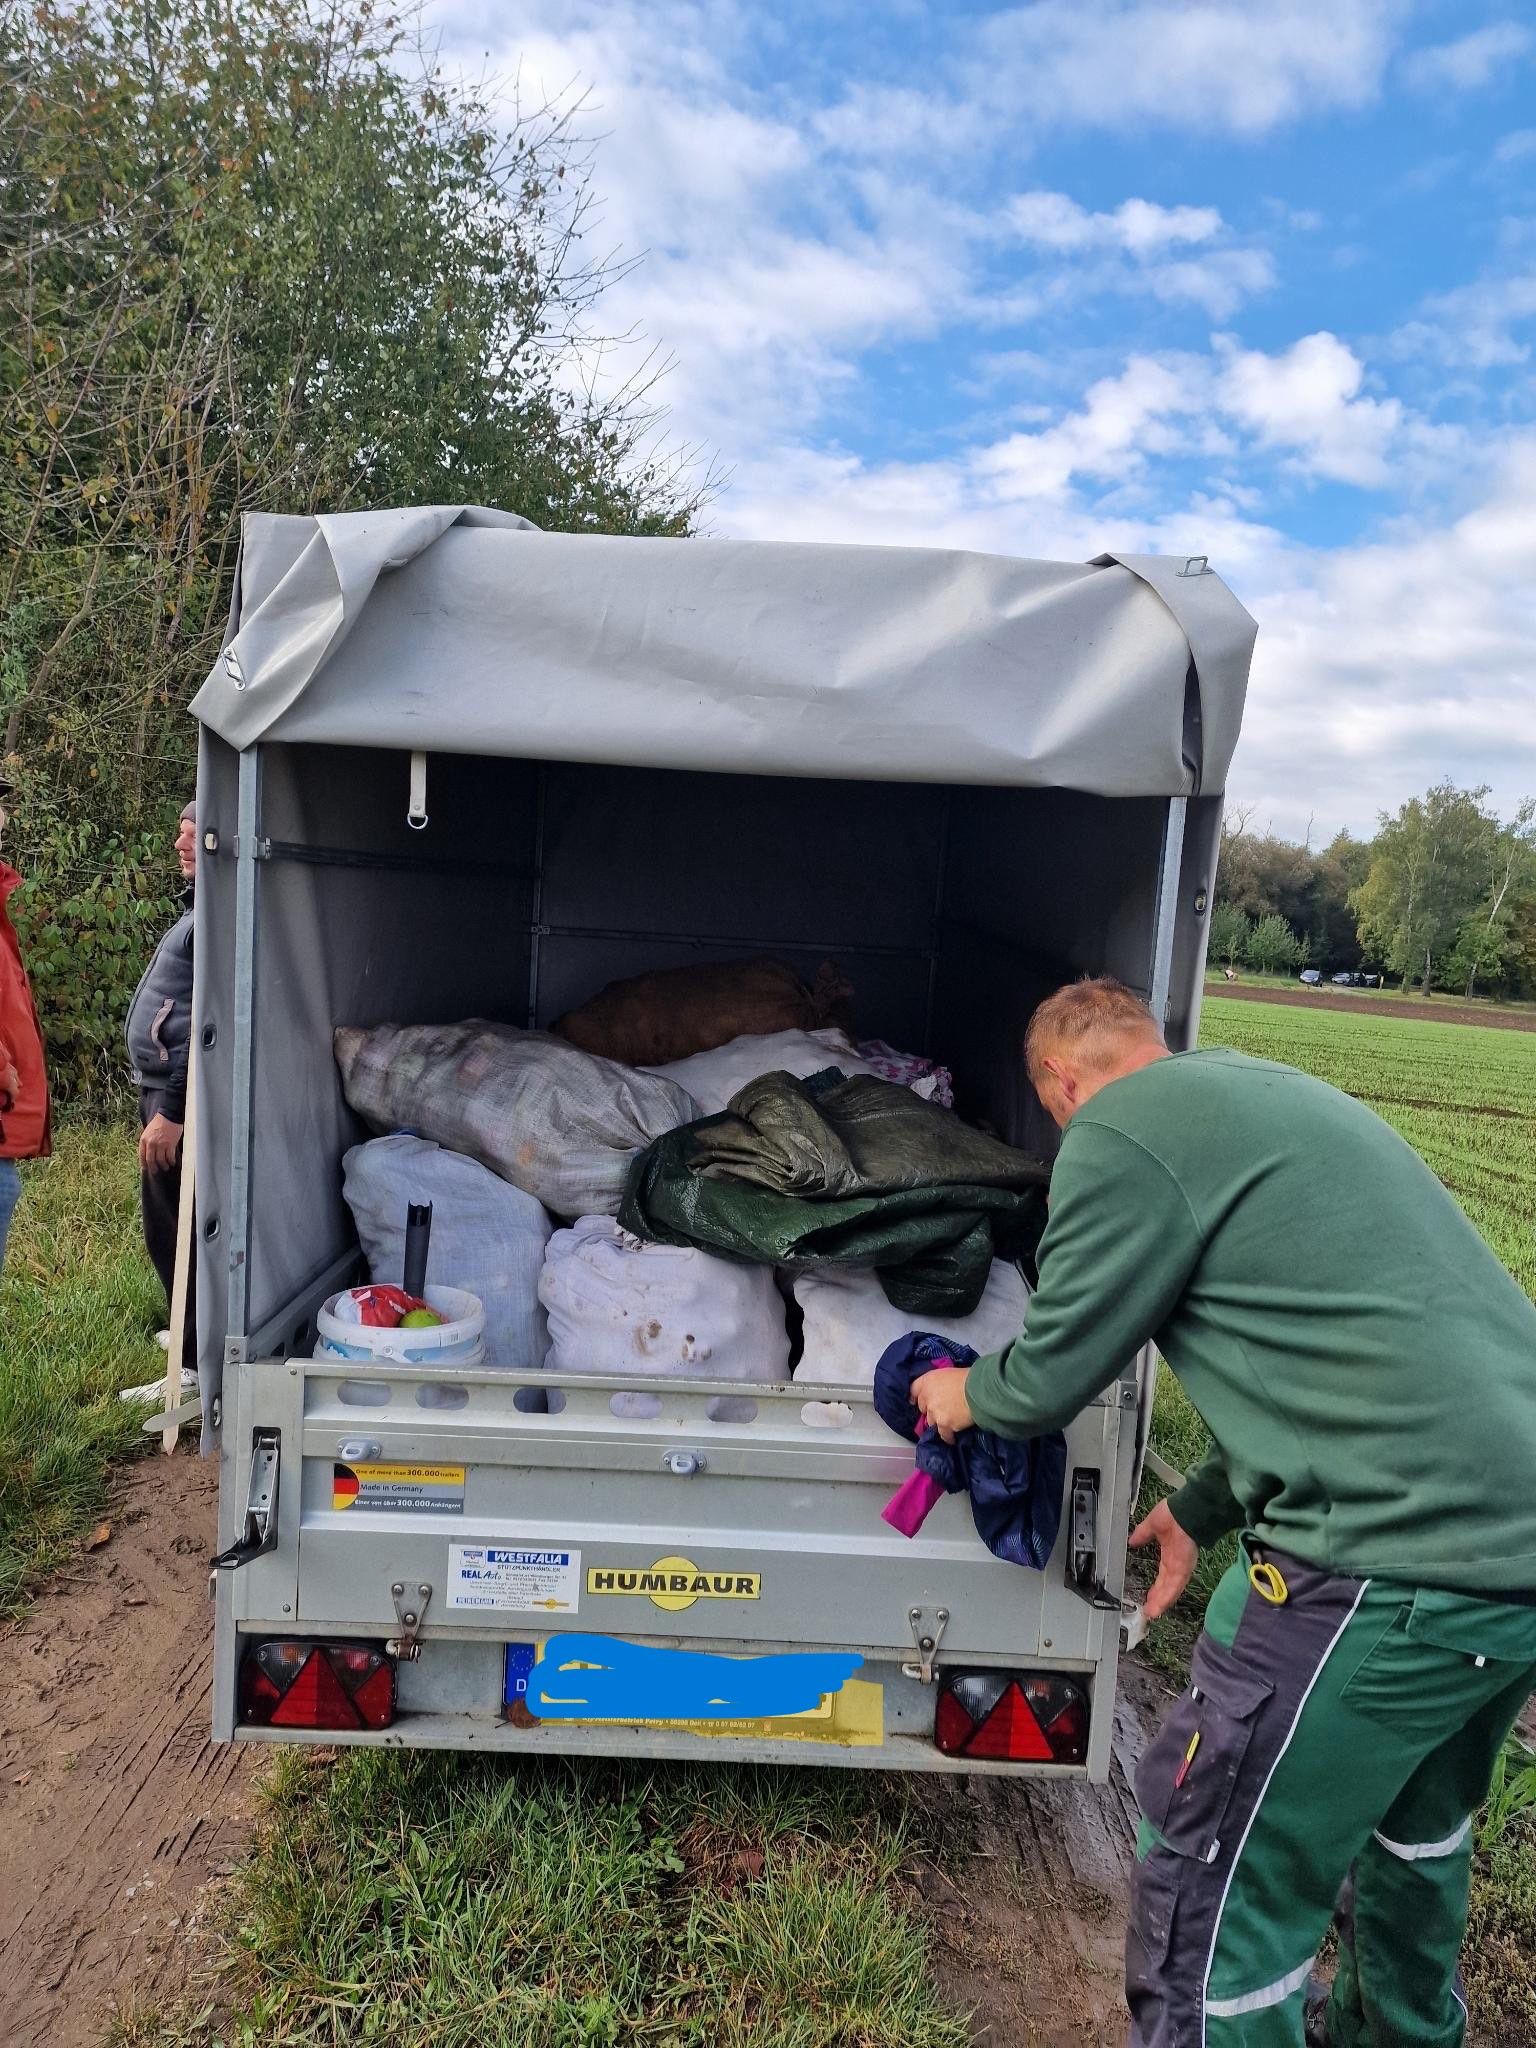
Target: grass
pixel 78 1307
pixel 1465 1097
pixel 433 1902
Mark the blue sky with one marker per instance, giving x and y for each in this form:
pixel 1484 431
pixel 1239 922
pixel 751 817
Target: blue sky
pixel 1256 281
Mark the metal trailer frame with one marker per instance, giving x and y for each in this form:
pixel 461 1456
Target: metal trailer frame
pixel 769 1490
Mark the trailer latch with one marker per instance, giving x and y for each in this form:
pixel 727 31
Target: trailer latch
pixel 410 1608
pixel 1083 1574
pixel 927 1640
pixel 258 1532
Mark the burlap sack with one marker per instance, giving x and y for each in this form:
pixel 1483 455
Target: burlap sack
pixel 678 1011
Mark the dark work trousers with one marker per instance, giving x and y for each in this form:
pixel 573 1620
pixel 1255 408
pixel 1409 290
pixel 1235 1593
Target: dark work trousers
pixel 159 1201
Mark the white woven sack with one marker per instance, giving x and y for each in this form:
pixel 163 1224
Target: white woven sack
pixel 620 1307
pixel 849 1322
pixel 712 1078
pixel 487 1237
pixel 558 1123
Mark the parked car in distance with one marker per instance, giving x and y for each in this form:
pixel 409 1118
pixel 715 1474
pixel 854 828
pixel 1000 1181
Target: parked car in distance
pixel 1311 976
pixel 1349 981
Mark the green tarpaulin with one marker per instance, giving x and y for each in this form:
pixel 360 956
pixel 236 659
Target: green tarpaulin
pixel 844 1172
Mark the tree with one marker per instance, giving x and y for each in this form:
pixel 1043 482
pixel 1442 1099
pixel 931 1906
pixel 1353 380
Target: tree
pixel 1429 870
pixel 1230 930
pixel 265 257
pixel 1273 945
pixel 1341 867
pixel 1484 944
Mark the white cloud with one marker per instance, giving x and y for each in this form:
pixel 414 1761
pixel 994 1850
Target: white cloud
pixel 1307 400
pixel 1051 220
pixel 1469 62
pixel 1382 667
pixel 1218 283
pixel 1223 66
pixel 1515 147
pixel 1127 250
pixel 1475 327
pixel 1122 421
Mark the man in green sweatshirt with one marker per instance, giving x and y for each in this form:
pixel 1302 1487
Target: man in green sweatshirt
pixel 1367 1369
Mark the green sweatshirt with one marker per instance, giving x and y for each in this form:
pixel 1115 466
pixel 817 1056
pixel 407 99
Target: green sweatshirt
pixel 1366 1366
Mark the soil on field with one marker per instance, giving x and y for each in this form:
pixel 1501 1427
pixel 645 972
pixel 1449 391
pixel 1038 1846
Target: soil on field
pixel 1379 1006
pixel 116 1812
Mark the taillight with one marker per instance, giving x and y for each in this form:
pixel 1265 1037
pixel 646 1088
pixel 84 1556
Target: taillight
pixel 1004 1716
pixel 290 1683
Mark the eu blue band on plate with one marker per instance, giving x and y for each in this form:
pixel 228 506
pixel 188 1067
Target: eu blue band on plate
pixel 643 1682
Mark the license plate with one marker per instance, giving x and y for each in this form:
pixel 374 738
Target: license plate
pixel 852 1714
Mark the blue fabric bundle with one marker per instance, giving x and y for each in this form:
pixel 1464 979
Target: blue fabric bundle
pixel 1015 1486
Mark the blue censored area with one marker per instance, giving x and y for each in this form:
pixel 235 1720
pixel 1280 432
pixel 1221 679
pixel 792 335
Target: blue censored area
pixel 638 1682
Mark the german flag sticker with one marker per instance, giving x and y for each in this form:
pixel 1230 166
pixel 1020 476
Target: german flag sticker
pixel 344 1486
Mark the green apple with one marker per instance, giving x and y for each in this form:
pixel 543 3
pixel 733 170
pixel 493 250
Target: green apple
pixel 420 1319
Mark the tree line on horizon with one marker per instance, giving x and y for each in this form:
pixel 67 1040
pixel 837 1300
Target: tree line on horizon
pixel 1443 896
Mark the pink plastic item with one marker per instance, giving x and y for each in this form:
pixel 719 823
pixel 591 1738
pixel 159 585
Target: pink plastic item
pixel 918 1495
pixel 912 1503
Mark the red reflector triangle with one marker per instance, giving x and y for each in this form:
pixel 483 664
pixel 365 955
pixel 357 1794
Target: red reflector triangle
pixel 374 1699
pixel 315 1699
pixel 1009 1731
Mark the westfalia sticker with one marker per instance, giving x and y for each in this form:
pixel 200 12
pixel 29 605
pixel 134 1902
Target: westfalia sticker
pixel 673 1583
pixel 421 1489
pixel 515 1581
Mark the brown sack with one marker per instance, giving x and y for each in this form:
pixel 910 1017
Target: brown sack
pixel 679 1011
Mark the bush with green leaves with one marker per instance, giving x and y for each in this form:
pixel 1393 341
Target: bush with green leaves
pixel 1273 946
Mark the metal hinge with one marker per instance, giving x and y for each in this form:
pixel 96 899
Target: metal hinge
pixel 927 1640
pixel 259 1530
pixel 1083 1545
pixel 410 1610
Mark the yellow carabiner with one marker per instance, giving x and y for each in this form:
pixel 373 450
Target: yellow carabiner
pixel 1266 1581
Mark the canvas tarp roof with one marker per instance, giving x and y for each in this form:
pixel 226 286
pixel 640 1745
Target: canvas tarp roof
pixel 463 630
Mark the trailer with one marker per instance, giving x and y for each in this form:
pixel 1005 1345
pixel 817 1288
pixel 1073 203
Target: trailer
pixel 452 765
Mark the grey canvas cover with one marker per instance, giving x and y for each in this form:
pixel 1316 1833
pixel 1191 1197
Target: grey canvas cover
pixel 463 630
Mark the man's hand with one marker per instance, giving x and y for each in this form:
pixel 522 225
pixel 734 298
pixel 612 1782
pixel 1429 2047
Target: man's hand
pixel 940 1395
pixel 1178 1554
pixel 159 1144
pixel 10 1086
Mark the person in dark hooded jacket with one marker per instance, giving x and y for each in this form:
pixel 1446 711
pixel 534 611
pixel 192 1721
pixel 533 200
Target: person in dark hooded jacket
pixel 159 1036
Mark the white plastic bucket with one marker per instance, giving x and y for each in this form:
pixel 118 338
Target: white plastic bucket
pixel 458 1341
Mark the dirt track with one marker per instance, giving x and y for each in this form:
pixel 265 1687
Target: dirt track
pixel 115 1811
pixel 1379 1006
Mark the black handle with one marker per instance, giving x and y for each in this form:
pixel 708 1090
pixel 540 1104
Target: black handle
pixel 418 1238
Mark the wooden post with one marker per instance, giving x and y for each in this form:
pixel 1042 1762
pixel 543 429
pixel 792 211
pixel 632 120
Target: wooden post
pixel 184 1254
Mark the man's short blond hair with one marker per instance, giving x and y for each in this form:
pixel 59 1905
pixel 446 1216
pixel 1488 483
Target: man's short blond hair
pixel 1085 1019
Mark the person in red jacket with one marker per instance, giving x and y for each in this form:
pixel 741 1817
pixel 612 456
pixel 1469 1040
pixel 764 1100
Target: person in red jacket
pixel 25 1128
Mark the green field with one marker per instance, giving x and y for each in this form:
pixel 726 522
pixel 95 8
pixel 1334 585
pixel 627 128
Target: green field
pixel 1464 1096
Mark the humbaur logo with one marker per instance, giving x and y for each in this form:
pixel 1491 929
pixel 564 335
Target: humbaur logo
pixel 673 1583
